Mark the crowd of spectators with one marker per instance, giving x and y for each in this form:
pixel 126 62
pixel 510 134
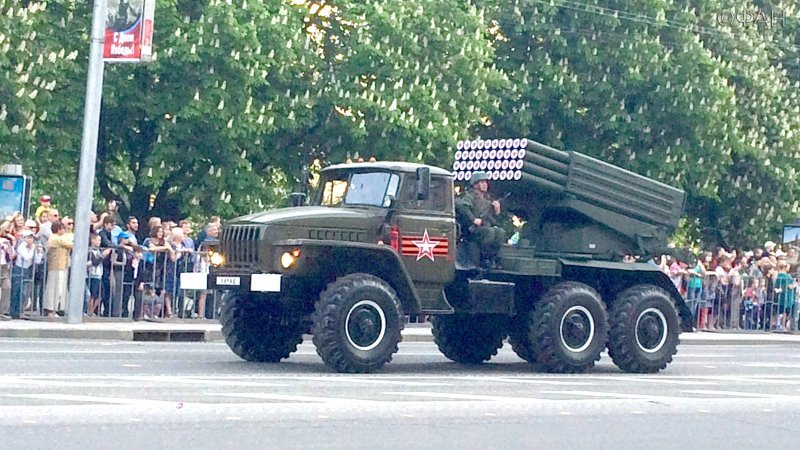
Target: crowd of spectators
pixel 126 266
pixel 129 265
pixel 754 289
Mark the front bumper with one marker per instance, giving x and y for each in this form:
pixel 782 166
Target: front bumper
pixel 257 282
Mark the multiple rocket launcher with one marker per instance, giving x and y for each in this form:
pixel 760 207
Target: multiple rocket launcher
pixel 512 160
pixel 579 180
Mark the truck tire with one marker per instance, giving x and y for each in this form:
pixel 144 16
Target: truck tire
pixel 568 328
pixel 357 323
pixel 469 339
pixel 256 328
pixel 644 329
pixel 519 338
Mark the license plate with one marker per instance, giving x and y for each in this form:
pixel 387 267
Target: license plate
pixel 228 281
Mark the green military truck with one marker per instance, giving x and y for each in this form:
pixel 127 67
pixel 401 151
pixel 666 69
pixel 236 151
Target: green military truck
pixel 381 240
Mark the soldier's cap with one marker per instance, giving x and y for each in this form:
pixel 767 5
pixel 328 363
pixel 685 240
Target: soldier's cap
pixel 478 176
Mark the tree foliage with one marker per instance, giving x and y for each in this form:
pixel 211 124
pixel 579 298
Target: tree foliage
pixel 663 89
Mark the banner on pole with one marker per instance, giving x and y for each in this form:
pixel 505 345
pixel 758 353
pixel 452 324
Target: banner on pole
pixel 129 31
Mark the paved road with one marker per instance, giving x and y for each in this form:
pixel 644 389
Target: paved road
pixel 103 394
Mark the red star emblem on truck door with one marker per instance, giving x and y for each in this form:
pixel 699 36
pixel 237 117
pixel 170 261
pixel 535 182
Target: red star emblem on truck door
pixel 424 246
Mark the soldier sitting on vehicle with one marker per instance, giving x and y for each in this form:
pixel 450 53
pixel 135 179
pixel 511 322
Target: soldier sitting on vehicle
pixel 477 213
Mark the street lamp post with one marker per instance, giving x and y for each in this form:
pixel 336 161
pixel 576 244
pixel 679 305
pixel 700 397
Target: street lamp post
pixel 91 122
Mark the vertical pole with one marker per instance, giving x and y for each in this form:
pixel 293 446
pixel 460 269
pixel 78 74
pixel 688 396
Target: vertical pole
pixel 91 123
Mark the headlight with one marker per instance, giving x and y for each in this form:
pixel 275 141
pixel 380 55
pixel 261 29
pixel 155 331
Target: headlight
pixel 216 259
pixel 288 259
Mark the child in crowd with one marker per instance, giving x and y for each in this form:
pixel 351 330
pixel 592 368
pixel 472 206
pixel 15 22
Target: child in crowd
pixel 94 267
pixel 152 304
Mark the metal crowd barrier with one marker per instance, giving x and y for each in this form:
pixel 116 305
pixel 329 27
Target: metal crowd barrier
pixel 754 303
pixel 129 287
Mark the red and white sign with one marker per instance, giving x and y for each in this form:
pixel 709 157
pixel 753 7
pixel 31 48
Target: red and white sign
pixel 425 246
pixel 129 31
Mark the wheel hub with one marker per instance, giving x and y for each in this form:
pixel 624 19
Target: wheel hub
pixel 651 330
pixel 365 325
pixel 577 329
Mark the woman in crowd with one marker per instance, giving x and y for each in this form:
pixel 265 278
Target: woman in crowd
pixel 28 252
pixel 58 251
pixel 39 267
pixel 694 289
pixel 18 223
pixel 155 265
pixel 7 245
pixel 174 266
pixel 709 291
pixel 785 287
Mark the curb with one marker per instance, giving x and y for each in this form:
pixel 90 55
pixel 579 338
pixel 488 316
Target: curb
pixel 411 334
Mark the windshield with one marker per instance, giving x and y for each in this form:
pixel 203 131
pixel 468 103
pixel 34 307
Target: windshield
pixel 362 189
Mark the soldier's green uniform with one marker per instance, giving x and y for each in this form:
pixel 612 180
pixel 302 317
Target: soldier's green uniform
pixel 476 205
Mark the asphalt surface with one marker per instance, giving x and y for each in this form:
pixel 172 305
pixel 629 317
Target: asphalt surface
pixel 112 394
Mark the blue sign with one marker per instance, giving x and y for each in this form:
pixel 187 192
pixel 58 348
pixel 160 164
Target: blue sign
pixel 14 195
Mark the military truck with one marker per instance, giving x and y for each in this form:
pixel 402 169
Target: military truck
pixel 381 240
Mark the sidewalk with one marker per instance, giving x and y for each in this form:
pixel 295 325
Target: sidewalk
pixel 206 331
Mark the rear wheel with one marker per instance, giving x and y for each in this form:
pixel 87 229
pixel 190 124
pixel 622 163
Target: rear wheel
pixel 357 324
pixel 568 328
pixel 258 328
pixel 469 339
pixel 644 330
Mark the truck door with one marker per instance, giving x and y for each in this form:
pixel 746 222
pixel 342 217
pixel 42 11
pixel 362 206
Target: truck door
pixel 427 237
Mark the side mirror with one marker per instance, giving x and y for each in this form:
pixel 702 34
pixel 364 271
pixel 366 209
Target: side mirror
pixel 298 198
pixel 304 179
pixel 423 183
pixel 390 201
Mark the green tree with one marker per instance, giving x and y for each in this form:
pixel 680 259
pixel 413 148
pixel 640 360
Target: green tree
pixel 661 89
pixel 242 93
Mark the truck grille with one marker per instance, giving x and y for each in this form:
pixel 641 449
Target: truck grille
pixel 240 244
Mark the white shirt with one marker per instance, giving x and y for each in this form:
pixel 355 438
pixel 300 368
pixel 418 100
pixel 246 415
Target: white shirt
pixel 26 255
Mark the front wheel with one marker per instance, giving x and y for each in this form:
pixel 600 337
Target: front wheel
pixel 357 324
pixel 644 330
pixel 258 328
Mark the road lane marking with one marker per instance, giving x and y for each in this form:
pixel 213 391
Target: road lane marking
pixel 94 399
pixel 75 352
pixel 291 398
pixel 198 381
pixel 131 366
pixel 19 381
pixel 652 380
pixel 734 394
pixel 617 395
pixel 371 380
pixel 545 382
pixel 456 396
pixel 773 365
